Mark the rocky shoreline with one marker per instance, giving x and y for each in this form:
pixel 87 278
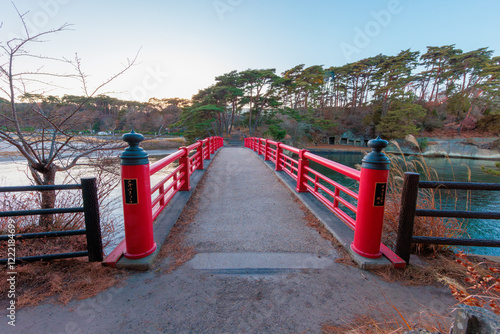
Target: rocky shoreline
pixel 470 148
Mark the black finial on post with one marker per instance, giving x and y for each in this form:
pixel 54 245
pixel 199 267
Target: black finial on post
pixel 376 159
pixel 133 155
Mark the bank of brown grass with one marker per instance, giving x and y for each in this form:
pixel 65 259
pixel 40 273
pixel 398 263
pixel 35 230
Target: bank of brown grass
pixel 434 267
pixel 175 249
pixel 163 143
pixel 387 321
pixel 64 280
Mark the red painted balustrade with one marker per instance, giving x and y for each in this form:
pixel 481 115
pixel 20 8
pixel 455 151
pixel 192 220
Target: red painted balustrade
pixel 189 159
pixel 370 199
pixel 142 201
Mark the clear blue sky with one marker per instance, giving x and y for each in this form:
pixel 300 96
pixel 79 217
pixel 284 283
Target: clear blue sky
pixel 185 44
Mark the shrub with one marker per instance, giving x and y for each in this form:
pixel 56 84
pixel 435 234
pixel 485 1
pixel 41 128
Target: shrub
pixel 492 171
pixel 489 123
pixel 400 120
pixel 423 143
pixel 276 132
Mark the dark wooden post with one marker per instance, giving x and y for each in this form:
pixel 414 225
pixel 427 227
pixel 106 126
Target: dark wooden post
pixel 92 219
pixel 407 215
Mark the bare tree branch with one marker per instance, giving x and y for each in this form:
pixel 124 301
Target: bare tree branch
pixel 86 153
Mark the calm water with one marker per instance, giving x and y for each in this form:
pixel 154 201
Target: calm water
pixel 448 170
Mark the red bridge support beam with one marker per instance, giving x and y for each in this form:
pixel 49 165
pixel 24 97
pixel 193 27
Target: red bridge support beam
pixel 136 194
pixel 371 201
pixel 184 160
pixel 279 153
pixel 266 150
pixel 301 179
pixel 200 153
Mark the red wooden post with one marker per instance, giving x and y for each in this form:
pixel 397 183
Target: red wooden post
pixel 199 150
pixel 279 153
pixel 212 145
pixel 335 197
pixel 175 181
pixel 184 160
pixel 162 194
pixel 206 149
pixel 136 194
pixel 371 201
pixel 301 180
pixel 266 150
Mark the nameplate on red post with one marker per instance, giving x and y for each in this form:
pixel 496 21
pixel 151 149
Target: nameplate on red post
pixel 130 186
pixel 379 199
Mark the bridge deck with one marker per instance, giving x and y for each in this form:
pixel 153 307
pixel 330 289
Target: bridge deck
pixel 258 269
pixel 243 207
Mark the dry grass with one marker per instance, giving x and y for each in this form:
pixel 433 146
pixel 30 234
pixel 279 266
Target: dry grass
pixel 481 286
pixel 428 199
pixel 471 280
pixel 313 222
pixel 29 224
pixel 10 154
pixel 175 247
pixel 163 143
pixel 388 321
pixel 437 265
pixel 66 279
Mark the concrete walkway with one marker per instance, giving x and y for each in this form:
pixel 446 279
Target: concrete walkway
pixel 258 269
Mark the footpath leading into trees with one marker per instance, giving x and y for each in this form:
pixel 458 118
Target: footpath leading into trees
pixel 259 267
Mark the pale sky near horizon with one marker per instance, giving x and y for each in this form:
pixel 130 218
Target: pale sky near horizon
pixel 184 45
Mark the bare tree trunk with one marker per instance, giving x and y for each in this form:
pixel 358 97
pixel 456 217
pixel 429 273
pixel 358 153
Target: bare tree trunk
pixel 49 196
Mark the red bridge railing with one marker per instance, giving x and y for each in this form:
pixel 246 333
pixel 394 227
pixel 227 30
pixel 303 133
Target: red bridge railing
pixel 370 198
pixel 308 179
pixel 143 202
